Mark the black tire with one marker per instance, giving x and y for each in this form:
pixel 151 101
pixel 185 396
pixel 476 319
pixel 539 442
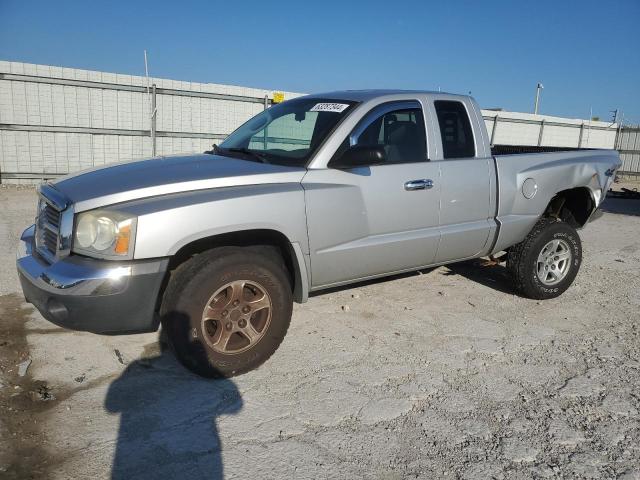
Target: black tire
pixel 522 259
pixel 190 290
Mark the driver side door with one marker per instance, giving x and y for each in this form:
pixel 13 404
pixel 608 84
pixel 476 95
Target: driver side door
pixel 380 219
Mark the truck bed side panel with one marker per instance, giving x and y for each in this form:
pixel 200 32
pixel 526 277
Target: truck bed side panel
pixel 550 173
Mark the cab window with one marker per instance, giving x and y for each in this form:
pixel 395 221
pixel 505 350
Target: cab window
pixel 401 133
pixel 455 129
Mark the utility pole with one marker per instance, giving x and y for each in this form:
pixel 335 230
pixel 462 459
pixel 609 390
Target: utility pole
pixel 151 95
pixel 535 107
pixel 614 116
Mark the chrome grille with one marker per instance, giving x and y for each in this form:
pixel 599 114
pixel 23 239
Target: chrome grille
pixel 47 230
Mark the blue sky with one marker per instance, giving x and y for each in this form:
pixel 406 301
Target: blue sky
pixel 584 52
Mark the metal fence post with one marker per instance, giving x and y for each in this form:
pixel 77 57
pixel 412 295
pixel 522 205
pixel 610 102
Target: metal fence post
pixel 265 141
pixel 493 130
pixel 617 145
pixel 153 120
pixel 541 132
pixel 616 141
pixel 581 134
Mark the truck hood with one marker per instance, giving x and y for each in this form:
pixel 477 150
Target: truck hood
pixel 166 175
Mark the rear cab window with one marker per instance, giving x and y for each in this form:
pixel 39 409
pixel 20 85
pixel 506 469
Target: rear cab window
pixel 455 129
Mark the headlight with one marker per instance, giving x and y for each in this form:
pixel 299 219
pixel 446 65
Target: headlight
pixel 104 234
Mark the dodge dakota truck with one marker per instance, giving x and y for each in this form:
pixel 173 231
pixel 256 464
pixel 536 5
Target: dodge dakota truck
pixel 316 192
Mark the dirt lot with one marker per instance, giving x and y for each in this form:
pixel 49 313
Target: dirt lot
pixel 441 374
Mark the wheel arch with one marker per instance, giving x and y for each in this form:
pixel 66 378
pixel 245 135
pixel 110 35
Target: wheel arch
pixel 271 242
pixel 574 206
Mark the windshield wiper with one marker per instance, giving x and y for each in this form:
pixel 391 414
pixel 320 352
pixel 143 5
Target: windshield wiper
pixel 216 150
pixel 251 153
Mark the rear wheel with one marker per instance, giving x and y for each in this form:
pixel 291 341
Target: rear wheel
pixel 545 263
pixel 227 310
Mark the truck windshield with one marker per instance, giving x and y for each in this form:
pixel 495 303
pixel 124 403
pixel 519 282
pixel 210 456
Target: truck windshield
pixel 287 133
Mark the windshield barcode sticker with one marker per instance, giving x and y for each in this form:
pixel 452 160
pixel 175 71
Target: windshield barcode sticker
pixel 329 107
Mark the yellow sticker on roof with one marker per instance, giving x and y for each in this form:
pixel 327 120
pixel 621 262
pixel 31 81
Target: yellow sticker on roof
pixel 329 107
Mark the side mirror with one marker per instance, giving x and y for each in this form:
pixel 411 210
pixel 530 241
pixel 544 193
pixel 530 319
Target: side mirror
pixel 360 156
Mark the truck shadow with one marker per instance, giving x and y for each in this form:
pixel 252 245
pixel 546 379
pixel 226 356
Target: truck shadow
pixel 168 419
pixel 623 206
pixel 479 271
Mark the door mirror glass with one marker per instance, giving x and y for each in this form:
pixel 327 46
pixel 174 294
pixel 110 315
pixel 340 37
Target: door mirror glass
pixel 360 156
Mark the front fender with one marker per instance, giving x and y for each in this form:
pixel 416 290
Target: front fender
pixel 167 223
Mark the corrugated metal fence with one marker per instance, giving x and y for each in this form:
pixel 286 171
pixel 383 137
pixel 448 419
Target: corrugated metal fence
pixel 517 128
pixel 628 144
pixel 56 120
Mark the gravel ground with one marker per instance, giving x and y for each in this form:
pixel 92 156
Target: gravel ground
pixel 441 374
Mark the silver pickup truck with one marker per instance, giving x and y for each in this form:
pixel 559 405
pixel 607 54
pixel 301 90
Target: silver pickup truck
pixel 315 192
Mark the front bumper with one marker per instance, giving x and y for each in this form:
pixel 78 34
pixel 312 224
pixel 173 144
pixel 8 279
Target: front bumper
pixel 92 295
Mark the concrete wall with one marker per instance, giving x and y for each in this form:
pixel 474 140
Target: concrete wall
pixel 56 120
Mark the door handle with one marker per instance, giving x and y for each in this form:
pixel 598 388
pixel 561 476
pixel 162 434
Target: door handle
pixel 422 184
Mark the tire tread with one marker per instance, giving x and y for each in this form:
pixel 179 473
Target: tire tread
pixel 517 266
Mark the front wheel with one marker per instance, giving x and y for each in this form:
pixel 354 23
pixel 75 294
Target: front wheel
pixel 545 263
pixel 227 310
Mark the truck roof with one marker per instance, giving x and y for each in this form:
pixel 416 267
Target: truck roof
pixel 364 95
